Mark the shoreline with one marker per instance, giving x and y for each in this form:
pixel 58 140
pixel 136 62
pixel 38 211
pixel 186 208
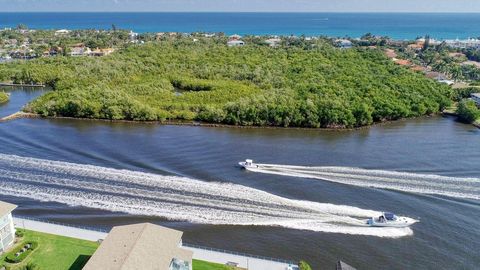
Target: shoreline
pixel 21 85
pixel 20 115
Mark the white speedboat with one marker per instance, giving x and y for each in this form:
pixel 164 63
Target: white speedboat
pixel 248 164
pixel 390 220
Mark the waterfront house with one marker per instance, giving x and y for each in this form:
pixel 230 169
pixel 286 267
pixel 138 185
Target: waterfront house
pixel 235 43
pixel 476 97
pixel 235 37
pixel 7 230
pixel 79 50
pixel 61 32
pixel 142 246
pixel 344 43
pixel 463 44
pixel 273 42
pixel 132 36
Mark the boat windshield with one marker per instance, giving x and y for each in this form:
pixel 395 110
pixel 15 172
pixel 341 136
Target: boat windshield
pixel 390 216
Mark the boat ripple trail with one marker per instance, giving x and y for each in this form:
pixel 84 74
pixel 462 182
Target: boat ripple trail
pixel 457 187
pixel 177 198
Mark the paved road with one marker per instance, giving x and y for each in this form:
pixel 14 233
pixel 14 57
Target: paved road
pixel 246 262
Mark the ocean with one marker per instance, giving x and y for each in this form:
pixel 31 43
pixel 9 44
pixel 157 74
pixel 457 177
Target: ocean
pixel 395 25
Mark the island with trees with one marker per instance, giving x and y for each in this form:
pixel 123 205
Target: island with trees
pixel 257 81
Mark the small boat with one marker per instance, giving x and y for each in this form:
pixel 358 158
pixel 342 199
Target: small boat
pixel 248 164
pixel 390 220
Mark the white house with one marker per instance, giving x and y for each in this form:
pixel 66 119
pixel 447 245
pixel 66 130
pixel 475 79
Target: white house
pixel 62 32
pixel 7 230
pixel 235 43
pixel 476 98
pixel 344 43
pixel 273 42
pixel 235 37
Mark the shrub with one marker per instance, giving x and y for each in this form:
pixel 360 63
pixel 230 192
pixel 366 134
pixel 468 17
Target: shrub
pixel 11 258
pixel 30 266
pixel 303 265
pixel 19 233
pixel 467 111
pixel 4 97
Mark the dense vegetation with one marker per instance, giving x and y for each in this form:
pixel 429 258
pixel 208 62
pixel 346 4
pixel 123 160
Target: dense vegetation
pixel 304 85
pixel 467 111
pixel 4 97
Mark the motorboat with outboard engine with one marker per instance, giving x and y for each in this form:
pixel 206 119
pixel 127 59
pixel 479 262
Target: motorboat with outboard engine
pixel 390 220
pixel 248 164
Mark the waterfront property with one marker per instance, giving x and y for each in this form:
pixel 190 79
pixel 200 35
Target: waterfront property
pixel 7 230
pixel 344 43
pixel 235 43
pixel 141 246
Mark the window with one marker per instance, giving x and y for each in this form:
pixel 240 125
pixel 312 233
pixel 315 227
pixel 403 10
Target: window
pixel 177 264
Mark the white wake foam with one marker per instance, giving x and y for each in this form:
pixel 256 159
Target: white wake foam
pixel 177 198
pixel 457 187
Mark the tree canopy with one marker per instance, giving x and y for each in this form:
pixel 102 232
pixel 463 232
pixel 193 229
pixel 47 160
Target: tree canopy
pixel 314 85
pixel 467 111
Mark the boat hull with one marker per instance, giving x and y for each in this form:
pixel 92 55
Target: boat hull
pixel 402 222
pixel 246 166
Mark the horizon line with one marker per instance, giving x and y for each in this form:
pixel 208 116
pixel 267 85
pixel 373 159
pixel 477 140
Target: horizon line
pixel 285 12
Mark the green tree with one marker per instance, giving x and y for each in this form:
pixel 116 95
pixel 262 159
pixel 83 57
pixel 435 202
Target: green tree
pixel 4 98
pixel 303 265
pixel 467 111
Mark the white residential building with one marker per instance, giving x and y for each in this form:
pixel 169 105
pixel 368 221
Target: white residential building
pixel 235 43
pixel 273 42
pixel 62 32
pixel 7 230
pixel 344 43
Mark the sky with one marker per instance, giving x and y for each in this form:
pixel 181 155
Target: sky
pixel 243 5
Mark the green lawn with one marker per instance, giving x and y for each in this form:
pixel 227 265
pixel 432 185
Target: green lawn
pixel 203 265
pixel 55 252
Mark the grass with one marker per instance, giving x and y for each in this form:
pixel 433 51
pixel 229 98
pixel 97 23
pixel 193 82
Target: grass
pixel 55 252
pixel 203 265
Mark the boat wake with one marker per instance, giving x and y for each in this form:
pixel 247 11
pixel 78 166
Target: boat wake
pixel 456 187
pixel 177 198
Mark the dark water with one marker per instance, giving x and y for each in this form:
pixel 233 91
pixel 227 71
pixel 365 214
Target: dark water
pixel 17 99
pixel 447 236
pixel 396 25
